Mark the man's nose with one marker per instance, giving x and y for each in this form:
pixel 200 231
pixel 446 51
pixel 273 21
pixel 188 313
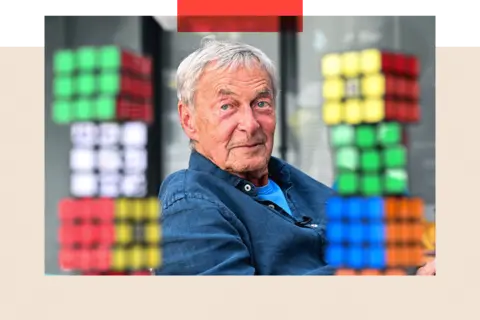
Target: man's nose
pixel 248 122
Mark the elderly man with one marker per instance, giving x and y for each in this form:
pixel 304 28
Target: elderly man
pixel 237 210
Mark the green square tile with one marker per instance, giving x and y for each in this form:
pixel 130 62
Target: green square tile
pixel 63 87
pixel 395 157
pixel 348 183
pixel 85 84
pixel 87 58
pixel 109 83
pixel 110 58
pixel 62 112
pixel 396 181
pixel 365 136
pixel 342 135
pixel 84 110
pixel 389 133
pixel 105 108
pixel 347 158
pixel 64 61
pixel 370 160
pixel 371 184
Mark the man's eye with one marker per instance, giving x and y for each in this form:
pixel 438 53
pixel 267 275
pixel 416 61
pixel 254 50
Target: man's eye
pixel 262 104
pixel 225 107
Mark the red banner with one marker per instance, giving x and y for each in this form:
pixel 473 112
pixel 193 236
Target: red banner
pixel 243 8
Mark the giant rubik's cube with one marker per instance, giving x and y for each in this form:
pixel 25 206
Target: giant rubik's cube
pixel 101 84
pixel 374 227
pixel 109 224
pixel 101 235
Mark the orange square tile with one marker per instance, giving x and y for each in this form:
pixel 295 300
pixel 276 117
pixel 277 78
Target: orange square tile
pixel 370 272
pixel 403 256
pixel 393 257
pixel 418 230
pixel 411 232
pixel 395 272
pixel 415 256
pixel 346 272
pixel 405 232
pixel 391 208
pixel 416 208
pixel 403 208
pixel 394 232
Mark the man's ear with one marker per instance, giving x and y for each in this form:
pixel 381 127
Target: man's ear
pixel 187 120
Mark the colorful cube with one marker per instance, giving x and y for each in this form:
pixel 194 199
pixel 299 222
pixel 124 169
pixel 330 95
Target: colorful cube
pixel 374 233
pixel 101 83
pixel 370 86
pixel 103 234
pixel 109 159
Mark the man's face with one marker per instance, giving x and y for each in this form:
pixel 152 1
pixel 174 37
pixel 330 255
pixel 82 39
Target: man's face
pixel 234 118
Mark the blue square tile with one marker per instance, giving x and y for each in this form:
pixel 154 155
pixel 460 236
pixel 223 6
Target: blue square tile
pixel 355 258
pixel 336 232
pixel 335 256
pixel 355 208
pixel 376 257
pixel 335 208
pixel 375 208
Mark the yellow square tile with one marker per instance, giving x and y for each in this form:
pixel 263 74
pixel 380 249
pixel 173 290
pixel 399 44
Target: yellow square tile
pixel 138 209
pixel 123 233
pixel 373 110
pixel 153 233
pixel 153 257
pixel 370 61
pixel 353 112
pixel 333 89
pixel 351 64
pixel 152 208
pixel 120 259
pixel 373 86
pixel 122 209
pixel 332 113
pixel 136 261
pixel 331 65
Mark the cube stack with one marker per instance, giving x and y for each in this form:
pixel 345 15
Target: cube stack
pixel 101 84
pixel 369 97
pixel 109 223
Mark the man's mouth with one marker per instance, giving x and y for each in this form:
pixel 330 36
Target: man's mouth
pixel 251 145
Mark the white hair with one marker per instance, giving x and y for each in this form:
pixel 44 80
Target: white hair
pixel 225 54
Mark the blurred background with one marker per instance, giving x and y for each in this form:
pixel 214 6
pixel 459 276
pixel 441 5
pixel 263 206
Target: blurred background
pixel 301 136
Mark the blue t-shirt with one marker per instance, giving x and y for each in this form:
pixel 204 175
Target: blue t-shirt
pixel 272 192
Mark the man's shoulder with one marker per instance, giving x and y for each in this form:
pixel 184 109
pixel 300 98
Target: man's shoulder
pixel 185 186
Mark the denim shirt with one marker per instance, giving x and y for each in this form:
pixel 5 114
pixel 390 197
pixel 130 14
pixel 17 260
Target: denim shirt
pixel 214 224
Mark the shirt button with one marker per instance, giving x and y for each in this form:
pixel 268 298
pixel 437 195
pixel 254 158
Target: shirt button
pixel 247 188
pixel 271 206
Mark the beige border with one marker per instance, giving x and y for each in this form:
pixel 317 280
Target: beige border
pixel 450 295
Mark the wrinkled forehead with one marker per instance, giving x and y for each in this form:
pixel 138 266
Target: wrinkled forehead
pixel 222 75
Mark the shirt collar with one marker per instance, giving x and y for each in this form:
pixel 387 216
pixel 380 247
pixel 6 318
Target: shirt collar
pixel 278 171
